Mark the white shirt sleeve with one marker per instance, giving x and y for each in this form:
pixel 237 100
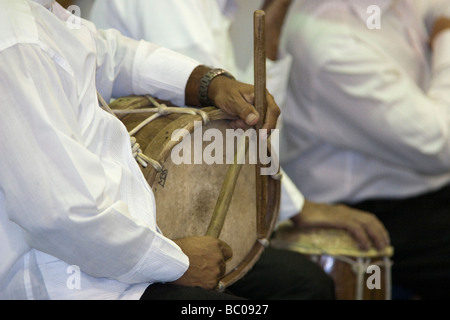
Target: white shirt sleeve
pixel 68 194
pixel 127 66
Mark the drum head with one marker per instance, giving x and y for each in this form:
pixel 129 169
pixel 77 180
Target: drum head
pixel 186 193
pixel 337 252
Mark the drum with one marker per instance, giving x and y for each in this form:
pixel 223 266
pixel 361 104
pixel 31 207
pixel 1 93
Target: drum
pixel 357 274
pixel 186 192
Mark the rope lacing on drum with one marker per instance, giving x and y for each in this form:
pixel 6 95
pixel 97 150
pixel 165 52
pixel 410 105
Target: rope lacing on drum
pixel 359 268
pixel 160 110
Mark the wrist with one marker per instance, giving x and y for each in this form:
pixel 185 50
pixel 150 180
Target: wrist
pixel 199 84
pixel 191 90
pixel 205 84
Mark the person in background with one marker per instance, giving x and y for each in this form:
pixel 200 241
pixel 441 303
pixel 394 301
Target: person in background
pixel 366 123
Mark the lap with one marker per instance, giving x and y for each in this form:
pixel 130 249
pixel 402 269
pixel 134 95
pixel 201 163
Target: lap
pixel 278 275
pixel 285 275
pixel 166 291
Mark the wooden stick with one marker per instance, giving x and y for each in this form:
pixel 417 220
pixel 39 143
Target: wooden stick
pixel 260 64
pixel 226 193
pixel 259 20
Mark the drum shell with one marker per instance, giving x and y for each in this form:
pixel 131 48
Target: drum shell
pixel 339 255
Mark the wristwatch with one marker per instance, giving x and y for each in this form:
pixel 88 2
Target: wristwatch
pixel 205 81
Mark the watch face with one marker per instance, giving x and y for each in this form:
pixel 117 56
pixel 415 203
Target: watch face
pixel 205 82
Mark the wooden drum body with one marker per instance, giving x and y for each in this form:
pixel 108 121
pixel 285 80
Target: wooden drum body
pixel 357 274
pixel 186 194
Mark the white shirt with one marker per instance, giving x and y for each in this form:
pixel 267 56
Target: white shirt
pixel 201 30
pixel 368 110
pixel 72 197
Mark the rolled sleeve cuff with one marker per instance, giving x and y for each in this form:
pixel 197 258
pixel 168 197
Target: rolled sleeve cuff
pixel 164 262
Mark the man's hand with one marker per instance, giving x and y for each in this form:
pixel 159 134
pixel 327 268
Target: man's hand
pixel 441 24
pixel 237 99
pixel 207 261
pixel 233 97
pixel 365 227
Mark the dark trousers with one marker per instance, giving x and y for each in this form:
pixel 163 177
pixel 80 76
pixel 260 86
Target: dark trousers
pixel 420 234
pixel 278 275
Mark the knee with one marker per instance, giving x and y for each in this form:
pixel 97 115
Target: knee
pixel 305 279
pixel 321 285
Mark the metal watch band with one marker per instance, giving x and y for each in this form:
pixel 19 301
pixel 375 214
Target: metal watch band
pixel 206 81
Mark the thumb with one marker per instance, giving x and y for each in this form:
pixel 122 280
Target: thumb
pixel 227 252
pixel 247 111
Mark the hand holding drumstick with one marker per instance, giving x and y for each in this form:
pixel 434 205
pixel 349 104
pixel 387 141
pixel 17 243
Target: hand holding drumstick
pixel 207 261
pixel 253 106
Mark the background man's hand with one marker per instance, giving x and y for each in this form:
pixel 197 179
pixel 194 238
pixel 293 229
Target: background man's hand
pixel 365 227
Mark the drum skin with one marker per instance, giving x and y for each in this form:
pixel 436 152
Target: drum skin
pixel 186 194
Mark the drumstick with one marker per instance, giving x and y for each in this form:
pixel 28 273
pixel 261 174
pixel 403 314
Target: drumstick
pixel 226 193
pixel 260 65
pixel 261 106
